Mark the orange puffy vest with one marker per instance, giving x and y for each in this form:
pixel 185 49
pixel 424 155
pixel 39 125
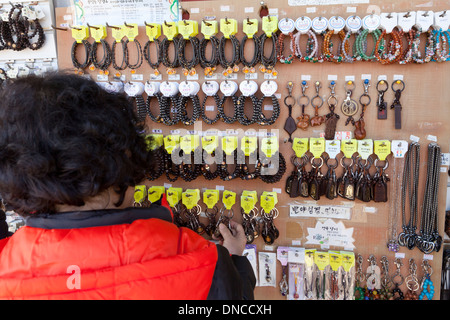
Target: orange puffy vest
pixel 146 259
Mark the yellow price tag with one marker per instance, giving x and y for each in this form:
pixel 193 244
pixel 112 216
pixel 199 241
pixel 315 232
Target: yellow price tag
pixel 131 31
pixel 80 33
pixel 249 145
pixel 210 143
pixel 349 147
pixel 170 30
pixel 154 141
pixel 209 28
pixel 98 32
pixel 139 194
pixel 229 144
pixel 228 27
pixel 153 31
pixel 321 259
pixel 317 146
pixel 211 197
pixel 155 193
pixel 268 201
pixel 250 27
pixel 171 142
pixel 174 196
pixel 309 257
pixel 348 260
pixel 300 146
pixel 189 143
pixel 365 148
pixel 188 28
pixel 248 201
pixel 269 146
pixel 190 198
pixel 117 33
pixel 335 260
pixel 269 25
pixel 382 149
pixel 228 199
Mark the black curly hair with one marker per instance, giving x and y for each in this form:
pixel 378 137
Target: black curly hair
pixel 64 139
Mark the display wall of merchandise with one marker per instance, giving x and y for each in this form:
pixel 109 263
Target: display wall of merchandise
pixel 309 131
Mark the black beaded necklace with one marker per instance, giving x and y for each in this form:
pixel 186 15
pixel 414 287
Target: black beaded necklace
pixel 268 63
pixel 220 108
pixel 189 65
pixel 275 113
pixel 87 54
pixel 175 63
pixel 210 65
pixel 127 55
pixel 182 110
pixel 123 64
pixel 155 65
pixel 229 66
pixel 241 116
pixel 106 59
pixel 249 66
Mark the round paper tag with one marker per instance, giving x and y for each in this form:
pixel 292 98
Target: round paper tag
pixel 268 88
pixel 336 23
pixel 134 89
pixel 210 88
pixel 228 88
pixel 303 24
pixel 169 89
pixel 248 87
pixel 286 25
pixel 319 24
pixel 151 88
pixel 371 22
pixel 112 86
pixel 353 23
pixel 188 88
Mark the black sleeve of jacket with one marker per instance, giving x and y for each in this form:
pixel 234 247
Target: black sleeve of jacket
pixel 233 277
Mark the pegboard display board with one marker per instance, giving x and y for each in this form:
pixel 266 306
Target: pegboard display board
pixel 424 116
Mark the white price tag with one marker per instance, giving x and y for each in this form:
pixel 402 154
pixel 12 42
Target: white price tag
pixel 319 24
pixel 151 88
pixel 268 88
pixel 388 21
pixel 406 20
pixel 169 89
pixel 442 20
pixel 188 88
pixel 332 148
pixel 336 23
pixel 286 25
pixel 134 89
pixel 210 88
pixel 303 24
pixel 248 87
pixel 228 88
pixel 424 19
pixel 353 23
pixel 399 148
pixel 371 22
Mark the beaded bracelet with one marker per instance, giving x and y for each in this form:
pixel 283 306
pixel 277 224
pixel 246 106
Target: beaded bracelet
pixel 190 171
pixel 249 66
pixel 393 54
pixel 189 66
pixel 154 118
pixel 280 49
pixel 266 162
pixel 16 28
pixel 224 173
pixel 105 62
pixel 175 63
pixel 39 31
pixel 165 104
pixel 312 46
pixel 241 116
pixel 123 64
pixel 79 66
pixel 244 172
pixel 141 108
pixel 154 65
pixel 361 39
pixel 440 50
pixel 328 46
pixel 275 113
pixel 220 108
pixel 206 168
pixel 406 56
pixel 229 66
pixel 210 65
pixel 203 110
pixel 268 63
pixel 158 164
pixel 429 47
pixel 138 63
pixel 182 110
pixel 171 170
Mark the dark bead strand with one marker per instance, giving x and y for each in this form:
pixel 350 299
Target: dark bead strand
pixel 275 113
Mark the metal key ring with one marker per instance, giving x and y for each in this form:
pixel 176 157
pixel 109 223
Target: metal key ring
pixel 382 82
pixel 307 100
pixel 334 99
pixel 367 97
pixel 313 163
pixel 385 166
pixel 336 161
pixel 289 104
pixel 314 98
pixel 341 161
pixel 398 82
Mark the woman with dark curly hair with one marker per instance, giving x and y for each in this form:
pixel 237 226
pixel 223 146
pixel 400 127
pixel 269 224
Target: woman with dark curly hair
pixel 70 156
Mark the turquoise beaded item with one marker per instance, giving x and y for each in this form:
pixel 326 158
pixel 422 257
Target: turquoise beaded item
pixel 428 289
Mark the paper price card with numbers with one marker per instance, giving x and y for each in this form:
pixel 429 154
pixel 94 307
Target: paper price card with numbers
pixel 249 145
pixel 153 31
pixel 382 149
pixel 228 199
pixel 155 193
pixel 210 143
pixel 268 200
pixel 171 142
pixel 248 200
pixel 211 197
pixel 229 144
pixel 349 147
pixel 332 148
pixel 300 146
pixel 80 33
pixel 189 143
pixel 317 146
pixel 173 196
pixel 269 146
pixel 190 198
pixel 365 148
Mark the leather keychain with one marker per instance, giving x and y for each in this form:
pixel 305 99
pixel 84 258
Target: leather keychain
pixel 289 101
